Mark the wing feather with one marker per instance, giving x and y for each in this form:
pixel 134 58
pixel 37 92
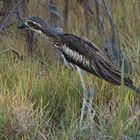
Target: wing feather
pixel 100 65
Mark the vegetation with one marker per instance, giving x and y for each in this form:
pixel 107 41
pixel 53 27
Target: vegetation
pixel 41 99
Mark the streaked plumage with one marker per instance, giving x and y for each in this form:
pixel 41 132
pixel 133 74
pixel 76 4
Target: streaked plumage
pixel 80 52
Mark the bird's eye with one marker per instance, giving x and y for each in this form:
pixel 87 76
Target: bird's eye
pixel 30 23
pixel 33 25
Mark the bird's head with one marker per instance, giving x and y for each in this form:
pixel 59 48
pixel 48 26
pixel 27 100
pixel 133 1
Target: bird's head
pixel 39 25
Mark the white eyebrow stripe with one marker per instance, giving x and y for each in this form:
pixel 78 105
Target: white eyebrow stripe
pixel 26 23
pixel 75 56
pixel 33 22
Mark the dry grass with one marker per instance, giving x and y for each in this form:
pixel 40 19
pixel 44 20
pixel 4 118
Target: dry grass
pixel 43 101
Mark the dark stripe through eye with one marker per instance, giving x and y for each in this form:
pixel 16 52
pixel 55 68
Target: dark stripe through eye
pixel 33 25
pixel 30 23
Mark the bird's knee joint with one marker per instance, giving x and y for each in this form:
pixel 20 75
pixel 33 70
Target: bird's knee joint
pixel 85 93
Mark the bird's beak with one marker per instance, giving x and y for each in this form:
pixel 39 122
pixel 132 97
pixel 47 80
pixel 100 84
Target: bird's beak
pixel 22 26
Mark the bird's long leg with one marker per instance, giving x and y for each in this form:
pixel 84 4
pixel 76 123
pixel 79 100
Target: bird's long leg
pixel 91 111
pixel 64 60
pixel 84 97
pixel 66 63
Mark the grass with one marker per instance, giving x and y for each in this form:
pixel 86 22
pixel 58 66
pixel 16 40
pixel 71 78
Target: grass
pixel 43 101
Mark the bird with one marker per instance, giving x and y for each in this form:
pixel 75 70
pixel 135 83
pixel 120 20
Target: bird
pixel 80 52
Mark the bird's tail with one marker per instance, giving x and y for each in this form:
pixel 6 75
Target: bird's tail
pixel 135 89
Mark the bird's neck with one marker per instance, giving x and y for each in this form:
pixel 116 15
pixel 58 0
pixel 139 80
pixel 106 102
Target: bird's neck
pixel 50 31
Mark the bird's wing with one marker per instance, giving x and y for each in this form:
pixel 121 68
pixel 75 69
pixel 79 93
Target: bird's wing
pixel 87 56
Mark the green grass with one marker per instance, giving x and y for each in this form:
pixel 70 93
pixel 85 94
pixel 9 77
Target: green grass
pixel 40 101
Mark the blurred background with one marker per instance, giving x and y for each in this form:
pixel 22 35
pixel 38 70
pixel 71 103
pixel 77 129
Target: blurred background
pixel 40 98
